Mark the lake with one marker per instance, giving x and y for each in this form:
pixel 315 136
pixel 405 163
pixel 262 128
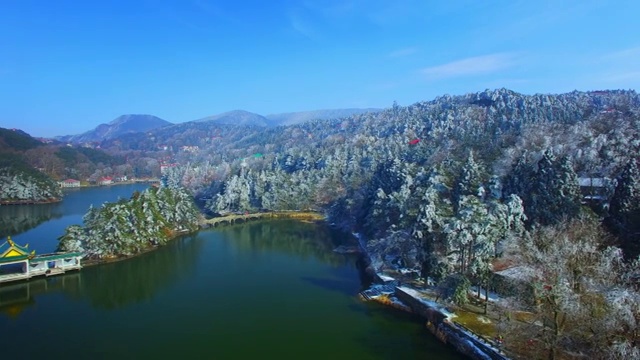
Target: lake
pixel 272 289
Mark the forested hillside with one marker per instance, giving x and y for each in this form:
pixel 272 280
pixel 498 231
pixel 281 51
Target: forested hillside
pixel 450 187
pixel 46 161
pixel 20 183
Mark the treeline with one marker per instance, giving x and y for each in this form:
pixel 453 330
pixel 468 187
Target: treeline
pixel 448 187
pixel 127 227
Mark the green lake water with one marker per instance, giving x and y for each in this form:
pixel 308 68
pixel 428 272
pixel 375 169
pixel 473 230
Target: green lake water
pixel 265 289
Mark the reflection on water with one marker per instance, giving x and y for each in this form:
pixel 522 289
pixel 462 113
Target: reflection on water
pixel 274 285
pixel 16 297
pixel 138 279
pixel 78 200
pixel 290 237
pixel 114 285
pixel 16 219
pixel 118 284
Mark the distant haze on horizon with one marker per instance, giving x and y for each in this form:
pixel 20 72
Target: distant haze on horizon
pixel 68 66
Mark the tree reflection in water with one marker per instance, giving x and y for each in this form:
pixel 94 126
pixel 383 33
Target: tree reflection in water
pixel 138 279
pixel 289 236
pixel 16 219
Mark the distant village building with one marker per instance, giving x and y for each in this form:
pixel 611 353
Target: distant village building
pixel 107 180
pixel 595 189
pixel 610 111
pixel 190 149
pixel 69 183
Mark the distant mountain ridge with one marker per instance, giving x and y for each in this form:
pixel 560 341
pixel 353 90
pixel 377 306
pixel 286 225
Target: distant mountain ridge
pixel 125 124
pixel 131 124
pixel 242 117
pixel 237 117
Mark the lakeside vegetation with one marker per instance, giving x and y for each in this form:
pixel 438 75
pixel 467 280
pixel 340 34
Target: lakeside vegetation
pixel 128 227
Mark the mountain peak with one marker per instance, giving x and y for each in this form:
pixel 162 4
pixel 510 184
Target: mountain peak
pixel 124 124
pixel 138 119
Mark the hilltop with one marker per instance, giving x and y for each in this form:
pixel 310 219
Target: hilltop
pixel 122 125
pixel 139 124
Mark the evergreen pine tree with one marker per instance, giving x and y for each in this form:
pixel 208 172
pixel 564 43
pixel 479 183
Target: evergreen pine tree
pixel 555 193
pixel 469 181
pixel 624 210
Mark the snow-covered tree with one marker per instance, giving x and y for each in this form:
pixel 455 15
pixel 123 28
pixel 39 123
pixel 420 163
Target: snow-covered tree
pixel 129 226
pixel 580 296
pixel 624 209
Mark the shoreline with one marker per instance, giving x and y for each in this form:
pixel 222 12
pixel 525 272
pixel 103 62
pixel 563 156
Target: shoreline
pixel 298 215
pixel 57 200
pixel 439 320
pixel 435 316
pixel 30 202
pixel 128 182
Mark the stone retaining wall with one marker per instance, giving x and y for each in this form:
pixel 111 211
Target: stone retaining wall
pixel 448 332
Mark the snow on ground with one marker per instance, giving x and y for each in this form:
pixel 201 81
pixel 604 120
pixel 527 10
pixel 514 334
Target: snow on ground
pixel 360 238
pixel 479 351
pixel 493 297
pixel 386 278
pixel 523 273
pixel 430 303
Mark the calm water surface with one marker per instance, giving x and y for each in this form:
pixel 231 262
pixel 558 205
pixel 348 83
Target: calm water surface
pixel 269 289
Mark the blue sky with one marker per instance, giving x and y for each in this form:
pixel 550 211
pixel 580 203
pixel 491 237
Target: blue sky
pixel 66 65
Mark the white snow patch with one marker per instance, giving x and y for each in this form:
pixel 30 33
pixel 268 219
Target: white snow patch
pixel 484 342
pixel 493 297
pixel 418 296
pixel 523 273
pixel 478 351
pixel 386 278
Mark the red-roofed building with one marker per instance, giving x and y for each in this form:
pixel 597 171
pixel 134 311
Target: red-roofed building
pixel 107 180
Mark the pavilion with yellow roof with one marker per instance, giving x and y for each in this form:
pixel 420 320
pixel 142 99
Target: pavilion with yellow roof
pixel 12 255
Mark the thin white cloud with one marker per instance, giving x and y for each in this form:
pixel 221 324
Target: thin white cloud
pixel 471 66
pixel 403 52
